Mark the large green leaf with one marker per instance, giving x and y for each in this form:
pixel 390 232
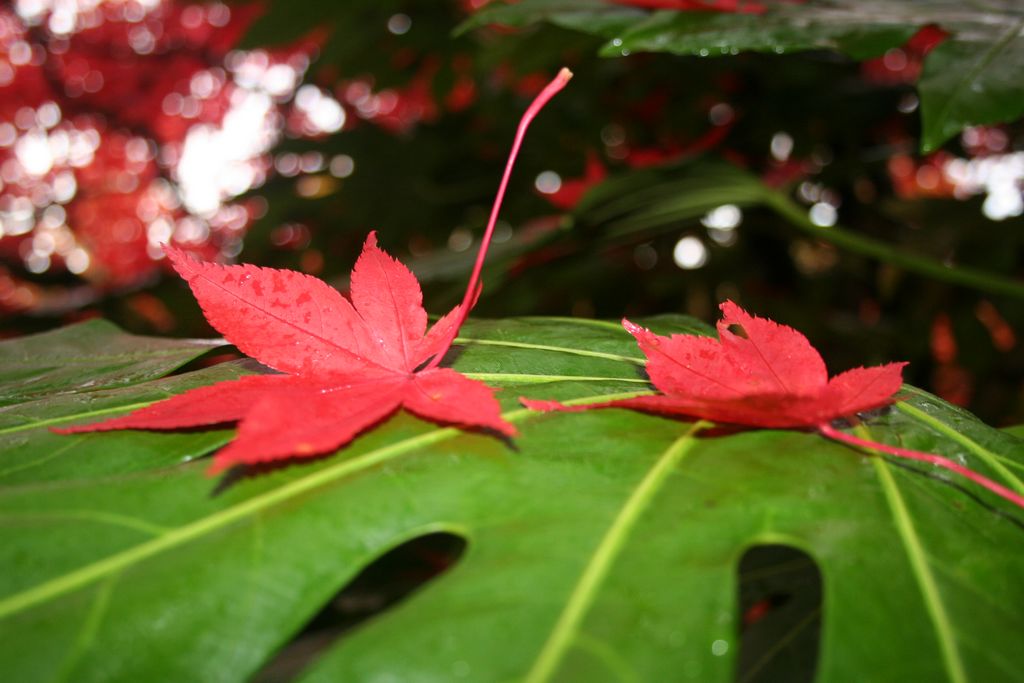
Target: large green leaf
pixel 970 79
pixel 601 545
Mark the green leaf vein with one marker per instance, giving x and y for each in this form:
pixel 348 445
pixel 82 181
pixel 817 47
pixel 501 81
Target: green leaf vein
pixel 922 572
pixel 566 628
pixel 546 347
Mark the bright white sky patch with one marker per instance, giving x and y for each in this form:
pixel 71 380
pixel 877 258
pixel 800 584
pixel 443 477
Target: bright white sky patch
pixel 217 162
pixel 1000 176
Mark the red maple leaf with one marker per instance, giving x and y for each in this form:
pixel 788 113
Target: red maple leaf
pixel 569 194
pixel 758 373
pixel 761 375
pixel 345 365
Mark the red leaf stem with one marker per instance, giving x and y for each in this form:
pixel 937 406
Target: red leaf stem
pixel 1001 491
pixel 549 91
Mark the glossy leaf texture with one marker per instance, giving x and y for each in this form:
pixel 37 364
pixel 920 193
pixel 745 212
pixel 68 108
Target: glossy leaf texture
pixel 88 356
pixel 603 546
pixel 968 80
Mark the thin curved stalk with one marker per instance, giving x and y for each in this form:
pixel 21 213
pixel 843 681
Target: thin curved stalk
pixel 472 289
pixel 1001 491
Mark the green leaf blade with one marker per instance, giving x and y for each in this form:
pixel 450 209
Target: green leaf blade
pixel 153 572
pixel 970 83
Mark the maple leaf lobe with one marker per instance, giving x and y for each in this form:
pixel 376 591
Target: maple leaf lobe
pixel 389 299
pixel 774 356
pixel 444 395
pixel 321 334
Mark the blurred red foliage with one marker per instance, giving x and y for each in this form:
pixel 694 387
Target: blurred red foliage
pixel 903 64
pixel 98 103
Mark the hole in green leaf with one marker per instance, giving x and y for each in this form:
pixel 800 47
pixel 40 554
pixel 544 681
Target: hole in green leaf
pixel 386 581
pixel 780 615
